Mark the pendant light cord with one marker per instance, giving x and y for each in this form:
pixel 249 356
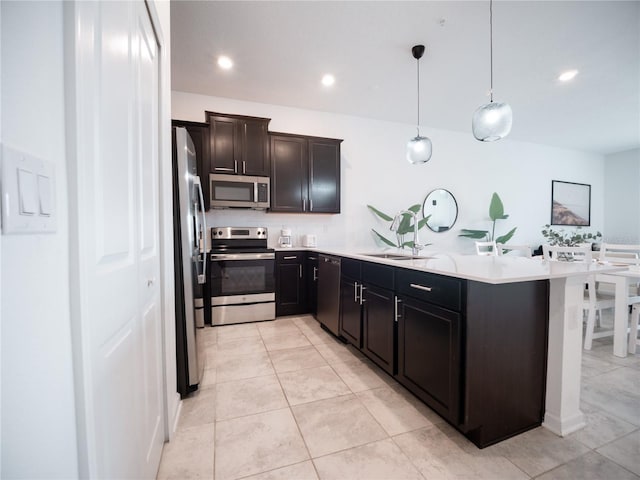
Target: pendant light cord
pixel 418 70
pixel 491 47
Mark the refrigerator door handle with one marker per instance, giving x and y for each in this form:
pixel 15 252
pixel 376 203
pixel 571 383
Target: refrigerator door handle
pixel 202 277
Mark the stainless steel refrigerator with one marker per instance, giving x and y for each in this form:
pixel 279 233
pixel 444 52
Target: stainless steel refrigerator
pixel 190 249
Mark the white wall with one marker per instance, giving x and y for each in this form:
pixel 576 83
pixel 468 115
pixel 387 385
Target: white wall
pixel 374 171
pixel 622 197
pixel 0 251
pixel 38 417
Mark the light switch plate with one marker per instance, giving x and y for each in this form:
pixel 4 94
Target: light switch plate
pixel 28 193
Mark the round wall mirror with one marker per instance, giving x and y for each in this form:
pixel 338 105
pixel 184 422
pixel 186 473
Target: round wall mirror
pixel 442 207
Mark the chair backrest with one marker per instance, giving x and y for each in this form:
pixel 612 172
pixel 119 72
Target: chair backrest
pixel 567 254
pixel 619 253
pixel 515 250
pixel 486 248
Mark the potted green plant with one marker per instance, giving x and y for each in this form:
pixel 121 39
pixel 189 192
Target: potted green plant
pixel 572 238
pixel 496 212
pixel 404 227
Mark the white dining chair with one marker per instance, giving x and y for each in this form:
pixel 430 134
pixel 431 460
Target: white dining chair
pixel 486 248
pixel 593 301
pixel 514 250
pixel 624 255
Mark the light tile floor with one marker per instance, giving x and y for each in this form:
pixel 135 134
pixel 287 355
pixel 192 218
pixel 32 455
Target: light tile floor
pixel 285 400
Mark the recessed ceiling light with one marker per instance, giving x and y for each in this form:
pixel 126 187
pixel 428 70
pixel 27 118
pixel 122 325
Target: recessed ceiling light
pixel 328 80
pixel 568 75
pixel 225 62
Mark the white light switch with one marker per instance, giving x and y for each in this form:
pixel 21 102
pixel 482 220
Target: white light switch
pixel 28 187
pixel 27 192
pixel 44 194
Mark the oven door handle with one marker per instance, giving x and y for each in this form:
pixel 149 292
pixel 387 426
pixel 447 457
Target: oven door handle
pixel 202 277
pixel 242 256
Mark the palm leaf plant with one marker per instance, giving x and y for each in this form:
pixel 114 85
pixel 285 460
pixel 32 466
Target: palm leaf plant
pixel 496 212
pixel 405 226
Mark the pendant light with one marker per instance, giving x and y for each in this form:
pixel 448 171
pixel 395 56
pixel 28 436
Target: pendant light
pixel 418 148
pixel 491 121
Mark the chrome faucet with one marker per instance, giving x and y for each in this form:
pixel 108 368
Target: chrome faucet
pixel 396 223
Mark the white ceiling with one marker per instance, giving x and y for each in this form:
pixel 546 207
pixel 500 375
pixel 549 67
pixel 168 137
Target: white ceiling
pixel 281 50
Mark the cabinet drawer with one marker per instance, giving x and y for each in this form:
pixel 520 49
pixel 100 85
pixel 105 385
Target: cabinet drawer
pixel 376 274
pixel 429 287
pixel 290 257
pixel 351 268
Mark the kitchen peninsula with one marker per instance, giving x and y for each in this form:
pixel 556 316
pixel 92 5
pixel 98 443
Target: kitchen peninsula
pixel 493 344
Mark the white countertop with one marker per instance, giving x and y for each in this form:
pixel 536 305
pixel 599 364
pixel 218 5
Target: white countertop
pixel 487 269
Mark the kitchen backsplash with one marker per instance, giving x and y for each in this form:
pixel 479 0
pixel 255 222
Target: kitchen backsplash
pixel 324 227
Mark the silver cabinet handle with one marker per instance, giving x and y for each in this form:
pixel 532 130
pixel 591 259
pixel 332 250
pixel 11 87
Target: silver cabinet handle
pixel 362 289
pixel 244 167
pixel 255 191
pixel 304 204
pixel 315 273
pixel 355 292
pixel 300 269
pixel 420 287
pixel 312 258
pixel 235 166
pixel 396 304
pixel 292 257
pixel 311 204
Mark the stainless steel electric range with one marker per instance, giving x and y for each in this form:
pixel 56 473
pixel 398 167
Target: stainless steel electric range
pixel 242 276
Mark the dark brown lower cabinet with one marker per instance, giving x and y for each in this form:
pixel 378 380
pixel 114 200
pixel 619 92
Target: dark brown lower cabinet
pixel 378 327
pixel 350 311
pixel 429 341
pixel 505 359
pixel 291 288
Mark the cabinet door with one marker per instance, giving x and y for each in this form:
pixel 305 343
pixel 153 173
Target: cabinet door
pixel 255 148
pixel 225 145
pixel 350 312
pixel 312 283
pixel 324 175
pixel 290 284
pixel 288 174
pixel 429 355
pixel 379 327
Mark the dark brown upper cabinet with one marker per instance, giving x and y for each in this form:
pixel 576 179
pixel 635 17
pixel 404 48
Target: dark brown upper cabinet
pixel 199 133
pixel 305 173
pixel 239 145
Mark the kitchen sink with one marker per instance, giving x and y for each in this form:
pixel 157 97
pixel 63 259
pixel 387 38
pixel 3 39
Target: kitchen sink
pixel 393 256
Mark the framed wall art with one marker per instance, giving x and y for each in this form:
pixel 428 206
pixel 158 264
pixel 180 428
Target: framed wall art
pixel 570 203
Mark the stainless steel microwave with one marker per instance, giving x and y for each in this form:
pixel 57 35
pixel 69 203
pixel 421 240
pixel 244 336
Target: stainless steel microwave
pixel 239 191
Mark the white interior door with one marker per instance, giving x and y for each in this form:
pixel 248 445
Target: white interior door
pixel 116 287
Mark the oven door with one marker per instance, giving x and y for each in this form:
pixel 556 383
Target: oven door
pixel 242 277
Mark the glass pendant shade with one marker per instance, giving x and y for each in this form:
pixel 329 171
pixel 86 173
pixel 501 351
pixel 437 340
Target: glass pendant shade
pixel 492 121
pixel 418 150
